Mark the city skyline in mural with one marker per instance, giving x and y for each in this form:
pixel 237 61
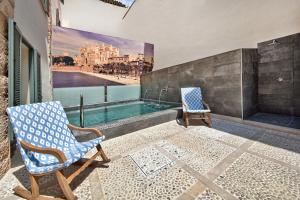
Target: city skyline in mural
pixel 80 56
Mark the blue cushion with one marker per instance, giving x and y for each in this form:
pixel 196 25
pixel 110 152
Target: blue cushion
pixel 45 125
pixel 192 98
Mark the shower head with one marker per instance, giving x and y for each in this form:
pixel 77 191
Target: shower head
pixel 274 42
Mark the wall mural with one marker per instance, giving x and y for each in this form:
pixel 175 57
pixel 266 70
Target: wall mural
pixel 81 59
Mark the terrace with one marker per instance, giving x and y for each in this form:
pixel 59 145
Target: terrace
pixel 168 161
pixel 233 69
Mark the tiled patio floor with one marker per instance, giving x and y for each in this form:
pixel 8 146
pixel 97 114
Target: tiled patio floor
pixel 168 161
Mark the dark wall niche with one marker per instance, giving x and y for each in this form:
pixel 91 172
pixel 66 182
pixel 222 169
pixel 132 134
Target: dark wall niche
pixel 279 76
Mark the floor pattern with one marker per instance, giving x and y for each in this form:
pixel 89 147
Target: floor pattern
pixel 168 161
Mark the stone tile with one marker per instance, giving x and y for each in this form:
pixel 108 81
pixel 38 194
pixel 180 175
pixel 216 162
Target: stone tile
pixel 229 138
pixel 122 145
pixel 19 176
pixel 167 183
pixel 149 160
pixel 161 131
pixel 5 188
pixel 252 177
pixel 208 194
pixel 199 151
pixel 196 189
pixel 231 133
pixel 173 149
pixel 205 153
pixel 280 148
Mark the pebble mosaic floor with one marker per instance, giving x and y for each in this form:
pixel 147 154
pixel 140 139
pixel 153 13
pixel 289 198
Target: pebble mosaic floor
pixel 168 161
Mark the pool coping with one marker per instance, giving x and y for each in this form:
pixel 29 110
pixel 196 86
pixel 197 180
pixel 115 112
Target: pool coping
pixel 131 124
pixel 74 108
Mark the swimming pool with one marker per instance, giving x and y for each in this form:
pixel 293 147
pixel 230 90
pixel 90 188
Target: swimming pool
pixel 107 114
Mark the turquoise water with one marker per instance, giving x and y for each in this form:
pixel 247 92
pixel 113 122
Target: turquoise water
pixel 101 115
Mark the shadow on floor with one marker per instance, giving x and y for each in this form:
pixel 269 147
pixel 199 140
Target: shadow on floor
pixel 262 135
pixel 192 122
pixel 48 183
pixel 276 119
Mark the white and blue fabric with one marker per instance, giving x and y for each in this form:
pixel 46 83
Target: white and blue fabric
pixel 192 100
pixel 45 125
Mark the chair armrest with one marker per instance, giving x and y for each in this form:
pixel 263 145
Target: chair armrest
pixel 185 105
pixel 92 130
pixel 206 105
pixel 55 152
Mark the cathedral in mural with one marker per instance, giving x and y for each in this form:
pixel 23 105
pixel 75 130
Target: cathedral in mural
pixel 79 57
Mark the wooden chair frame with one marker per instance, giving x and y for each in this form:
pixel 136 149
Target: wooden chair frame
pixel 205 116
pixel 62 180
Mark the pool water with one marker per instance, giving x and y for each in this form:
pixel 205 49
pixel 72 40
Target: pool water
pixel 106 114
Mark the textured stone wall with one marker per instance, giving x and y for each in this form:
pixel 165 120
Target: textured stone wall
pixel 6 10
pixel 219 77
pixel 249 81
pixel 296 73
pixel 279 76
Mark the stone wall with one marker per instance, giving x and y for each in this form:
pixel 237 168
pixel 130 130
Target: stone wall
pixel 296 73
pixel 219 77
pixel 6 10
pixel 279 76
pixel 249 81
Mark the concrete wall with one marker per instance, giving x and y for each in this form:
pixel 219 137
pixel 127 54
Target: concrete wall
pixel 279 76
pixel 183 31
pixel 6 10
pixel 219 77
pixel 33 23
pixel 94 16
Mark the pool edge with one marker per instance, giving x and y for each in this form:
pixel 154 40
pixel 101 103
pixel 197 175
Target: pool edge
pixel 132 124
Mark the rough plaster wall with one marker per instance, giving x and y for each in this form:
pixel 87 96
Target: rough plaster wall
pixel 6 10
pixel 34 27
pixel 183 31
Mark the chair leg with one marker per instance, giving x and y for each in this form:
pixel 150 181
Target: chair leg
pixel 186 118
pixel 35 192
pixel 103 155
pixel 209 123
pixel 63 183
pixel 22 192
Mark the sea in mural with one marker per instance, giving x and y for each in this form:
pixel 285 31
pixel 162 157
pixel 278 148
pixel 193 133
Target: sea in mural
pixel 83 59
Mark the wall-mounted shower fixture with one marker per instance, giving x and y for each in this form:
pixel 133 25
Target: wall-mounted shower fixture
pixel 161 92
pixel 146 92
pixel 280 79
pixel 274 42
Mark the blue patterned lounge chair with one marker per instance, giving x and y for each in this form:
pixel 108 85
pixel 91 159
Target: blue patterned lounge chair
pixel 47 145
pixel 193 104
